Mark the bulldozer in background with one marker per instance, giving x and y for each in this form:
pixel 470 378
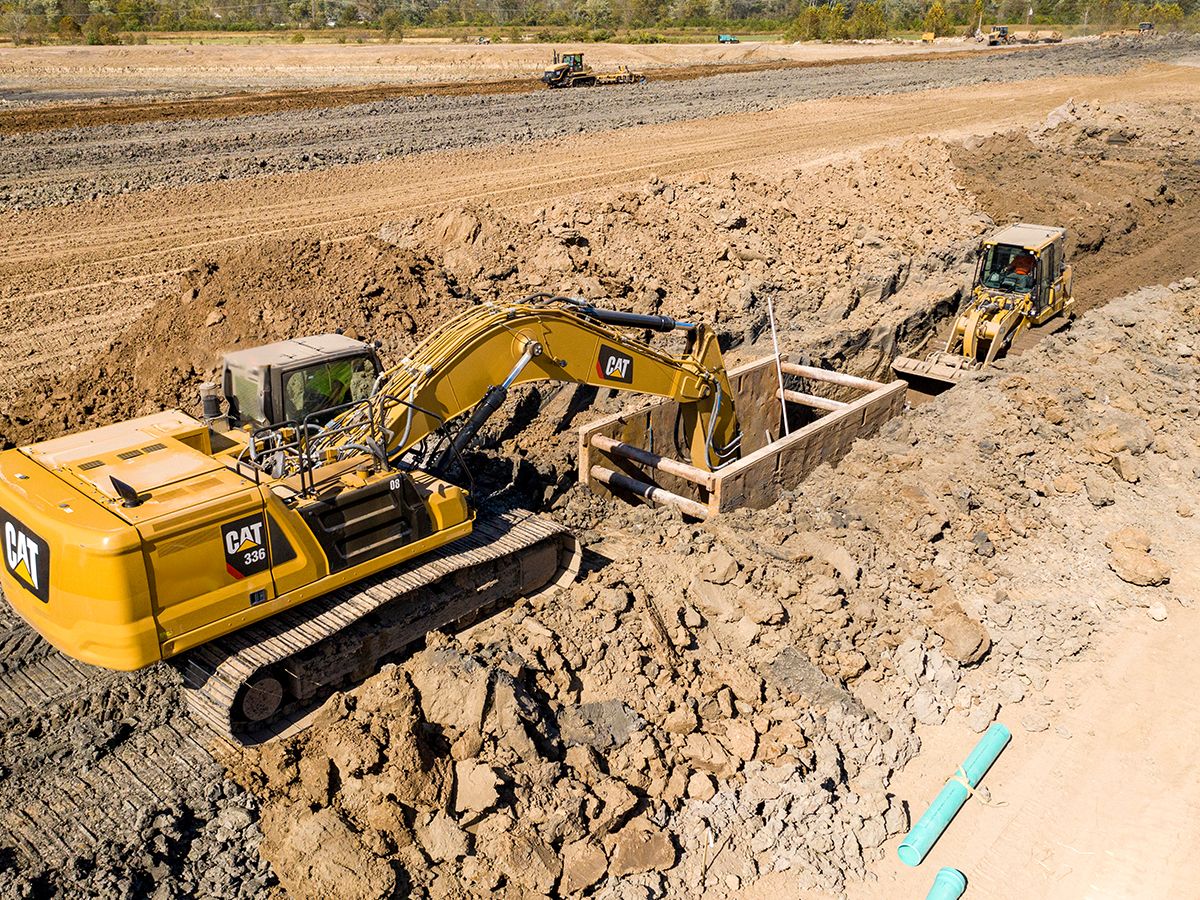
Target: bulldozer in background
pixel 569 70
pixel 1022 280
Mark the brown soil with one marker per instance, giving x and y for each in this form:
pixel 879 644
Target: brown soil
pixel 80 115
pixel 1124 182
pixel 75 275
pixel 704 250
pixel 711 708
pixel 713 705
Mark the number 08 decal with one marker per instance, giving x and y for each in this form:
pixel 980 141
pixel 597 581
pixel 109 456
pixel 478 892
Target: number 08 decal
pixel 245 544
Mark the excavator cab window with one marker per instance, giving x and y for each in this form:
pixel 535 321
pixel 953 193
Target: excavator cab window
pixel 326 385
pixel 246 396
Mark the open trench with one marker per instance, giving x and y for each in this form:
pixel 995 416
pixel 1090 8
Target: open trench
pixel 1125 185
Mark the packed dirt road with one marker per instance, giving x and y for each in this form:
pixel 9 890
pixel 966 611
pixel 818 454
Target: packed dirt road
pixel 739 708
pixel 30 75
pixel 68 164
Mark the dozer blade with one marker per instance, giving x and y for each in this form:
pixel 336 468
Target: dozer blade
pixel 939 367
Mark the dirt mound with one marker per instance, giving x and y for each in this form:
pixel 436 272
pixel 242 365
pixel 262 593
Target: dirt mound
pixel 843 263
pixel 1122 180
pixel 710 704
pixel 268 291
pixel 822 242
pixel 716 703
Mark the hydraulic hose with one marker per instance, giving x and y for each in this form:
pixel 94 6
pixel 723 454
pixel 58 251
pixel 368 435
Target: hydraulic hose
pixel 492 400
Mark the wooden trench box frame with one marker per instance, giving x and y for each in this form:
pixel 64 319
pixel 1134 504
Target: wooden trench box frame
pixel 630 454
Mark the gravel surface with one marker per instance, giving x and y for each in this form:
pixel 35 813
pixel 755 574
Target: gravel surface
pixel 74 165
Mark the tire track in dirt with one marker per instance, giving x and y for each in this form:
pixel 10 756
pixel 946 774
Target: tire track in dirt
pixel 126 252
pixel 80 164
pixel 333 199
pixel 79 115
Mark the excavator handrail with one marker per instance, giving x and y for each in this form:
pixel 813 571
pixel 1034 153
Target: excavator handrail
pixel 303 454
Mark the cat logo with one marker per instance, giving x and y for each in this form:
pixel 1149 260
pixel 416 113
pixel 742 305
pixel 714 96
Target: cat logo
pixel 27 557
pixel 614 365
pixel 245 547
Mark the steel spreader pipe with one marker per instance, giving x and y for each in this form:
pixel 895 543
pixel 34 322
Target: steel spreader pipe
pixel 951 798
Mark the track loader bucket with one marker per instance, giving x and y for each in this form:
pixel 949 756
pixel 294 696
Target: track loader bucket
pixel 945 368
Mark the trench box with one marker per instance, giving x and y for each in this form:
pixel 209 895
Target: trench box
pixel 636 453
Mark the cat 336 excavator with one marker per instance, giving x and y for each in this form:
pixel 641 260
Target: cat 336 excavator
pixel 305 527
pixel 1022 281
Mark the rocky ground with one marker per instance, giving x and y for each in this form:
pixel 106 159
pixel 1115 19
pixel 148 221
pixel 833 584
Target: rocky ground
pixel 711 704
pixel 71 165
pixel 716 702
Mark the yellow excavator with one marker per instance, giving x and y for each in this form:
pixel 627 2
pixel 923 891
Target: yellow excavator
pixel 306 526
pixel 1022 280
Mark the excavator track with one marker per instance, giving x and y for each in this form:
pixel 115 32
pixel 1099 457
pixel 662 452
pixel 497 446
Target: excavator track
pixel 264 681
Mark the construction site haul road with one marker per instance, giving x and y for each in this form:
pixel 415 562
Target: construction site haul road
pixel 442 445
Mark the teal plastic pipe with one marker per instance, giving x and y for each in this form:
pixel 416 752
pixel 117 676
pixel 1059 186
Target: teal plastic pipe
pixel 951 798
pixel 948 885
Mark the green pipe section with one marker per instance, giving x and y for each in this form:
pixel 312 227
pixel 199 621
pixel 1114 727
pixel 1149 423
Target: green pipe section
pixel 951 798
pixel 948 885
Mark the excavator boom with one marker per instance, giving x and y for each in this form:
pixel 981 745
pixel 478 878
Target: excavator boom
pixel 502 346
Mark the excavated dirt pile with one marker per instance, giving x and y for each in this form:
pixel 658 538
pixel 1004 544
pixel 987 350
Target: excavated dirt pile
pixel 841 258
pixel 860 257
pixel 716 702
pixel 710 703
pixel 1124 180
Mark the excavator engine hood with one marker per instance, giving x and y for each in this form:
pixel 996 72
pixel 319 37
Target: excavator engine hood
pixel 73 570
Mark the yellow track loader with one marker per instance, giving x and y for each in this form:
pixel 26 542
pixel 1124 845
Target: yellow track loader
pixel 306 526
pixel 1022 280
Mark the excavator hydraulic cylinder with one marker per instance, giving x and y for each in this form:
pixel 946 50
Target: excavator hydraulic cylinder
pixel 633 320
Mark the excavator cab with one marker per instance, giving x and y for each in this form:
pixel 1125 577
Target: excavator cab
pixel 299 379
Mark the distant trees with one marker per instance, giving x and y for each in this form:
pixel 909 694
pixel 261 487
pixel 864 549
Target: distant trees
pixel 937 20
pixel 391 23
pixel 869 20
pixel 109 21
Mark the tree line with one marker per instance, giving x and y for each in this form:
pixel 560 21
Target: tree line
pixel 117 21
